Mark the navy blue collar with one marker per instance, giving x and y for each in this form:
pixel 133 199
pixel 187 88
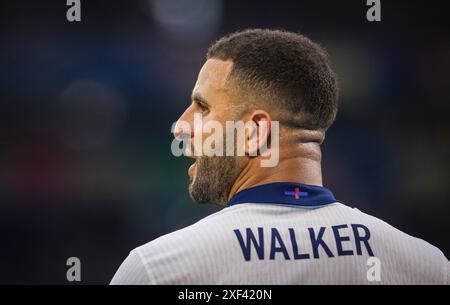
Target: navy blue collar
pixel 285 193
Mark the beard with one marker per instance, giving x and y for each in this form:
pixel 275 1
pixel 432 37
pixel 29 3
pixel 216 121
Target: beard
pixel 213 179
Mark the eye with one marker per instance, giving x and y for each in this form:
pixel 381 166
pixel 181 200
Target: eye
pixel 202 107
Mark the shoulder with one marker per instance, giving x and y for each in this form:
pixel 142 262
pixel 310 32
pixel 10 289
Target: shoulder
pixel 132 271
pixel 406 259
pixel 187 255
pixel 427 262
pixel 388 231
pixel 201 230
pixel 385 231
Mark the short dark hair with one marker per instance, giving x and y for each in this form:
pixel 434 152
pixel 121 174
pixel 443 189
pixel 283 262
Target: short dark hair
pixel 285 68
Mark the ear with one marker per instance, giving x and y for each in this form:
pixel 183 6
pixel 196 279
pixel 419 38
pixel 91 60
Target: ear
pixel 257 130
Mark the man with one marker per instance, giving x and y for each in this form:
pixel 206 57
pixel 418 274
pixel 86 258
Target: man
pixel 279 225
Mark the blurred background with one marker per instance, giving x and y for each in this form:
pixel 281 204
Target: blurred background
pixel 86 109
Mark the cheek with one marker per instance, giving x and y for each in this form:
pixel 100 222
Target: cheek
pixel 209 136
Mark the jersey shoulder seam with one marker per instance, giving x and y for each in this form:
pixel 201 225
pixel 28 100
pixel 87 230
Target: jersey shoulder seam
pixel 146 267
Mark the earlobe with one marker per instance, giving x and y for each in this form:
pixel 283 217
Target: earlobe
pixel 264 129
pixel 251 134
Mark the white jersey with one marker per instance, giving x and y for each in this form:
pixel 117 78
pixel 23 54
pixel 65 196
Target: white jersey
pixel 276 240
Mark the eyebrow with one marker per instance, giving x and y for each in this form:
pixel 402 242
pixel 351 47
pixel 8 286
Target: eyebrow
pixel 197 98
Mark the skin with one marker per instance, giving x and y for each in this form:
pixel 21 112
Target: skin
pixel 214 98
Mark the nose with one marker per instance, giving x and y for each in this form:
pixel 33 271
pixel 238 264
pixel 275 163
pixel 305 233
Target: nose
pixel 184 127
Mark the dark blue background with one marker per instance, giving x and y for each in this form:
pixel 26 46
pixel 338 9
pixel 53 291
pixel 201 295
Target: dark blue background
pixel 91 175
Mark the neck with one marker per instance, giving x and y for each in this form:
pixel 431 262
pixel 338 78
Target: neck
pixel 300 168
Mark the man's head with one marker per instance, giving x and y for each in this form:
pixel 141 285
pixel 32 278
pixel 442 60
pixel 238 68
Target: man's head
pixel 259 76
